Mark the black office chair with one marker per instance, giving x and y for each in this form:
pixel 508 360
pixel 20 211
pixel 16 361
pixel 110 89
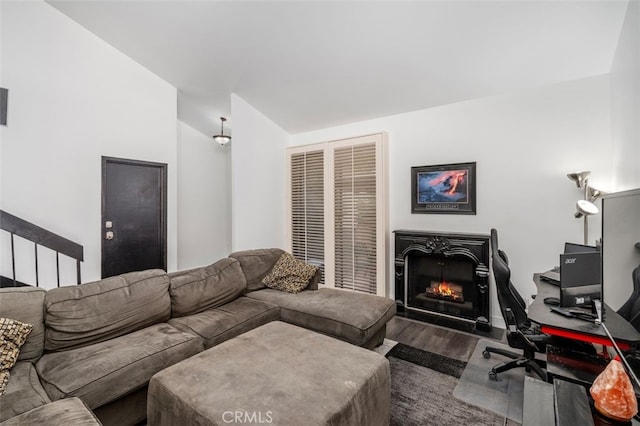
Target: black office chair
pixel 521 334
pixel 631 308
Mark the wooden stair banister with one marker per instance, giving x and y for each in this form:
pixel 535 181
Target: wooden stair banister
pixel 40 237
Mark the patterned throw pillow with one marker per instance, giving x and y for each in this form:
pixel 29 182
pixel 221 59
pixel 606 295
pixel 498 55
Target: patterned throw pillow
pixel 13 334
pixel 289 274
pixel 4 381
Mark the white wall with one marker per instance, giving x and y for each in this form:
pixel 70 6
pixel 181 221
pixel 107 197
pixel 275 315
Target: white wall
pixel 258 178
pixel 204 199
pixel 72 99
pixel 625 102
pixel 524 144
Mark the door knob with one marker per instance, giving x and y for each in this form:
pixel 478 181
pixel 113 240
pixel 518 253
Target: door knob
pixel 109 235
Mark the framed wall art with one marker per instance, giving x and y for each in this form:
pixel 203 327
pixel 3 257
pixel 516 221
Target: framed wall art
pixel 444 189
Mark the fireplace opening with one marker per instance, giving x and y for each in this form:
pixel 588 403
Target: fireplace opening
pixel 443 275
pixel 446 291
pixel 441 284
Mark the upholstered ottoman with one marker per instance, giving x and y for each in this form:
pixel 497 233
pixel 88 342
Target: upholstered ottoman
pixel 278 374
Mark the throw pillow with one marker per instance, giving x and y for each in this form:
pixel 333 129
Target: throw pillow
pixel 13 334
pixel 289 274
pixel 4 381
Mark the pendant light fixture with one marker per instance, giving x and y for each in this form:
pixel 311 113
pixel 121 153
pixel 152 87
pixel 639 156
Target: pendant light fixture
pixel 222 139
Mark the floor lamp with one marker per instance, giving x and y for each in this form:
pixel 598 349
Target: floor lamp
pixel 585 207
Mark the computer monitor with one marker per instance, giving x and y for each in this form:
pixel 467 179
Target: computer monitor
pixel 620 251
pixel 579 248
pixel 580 278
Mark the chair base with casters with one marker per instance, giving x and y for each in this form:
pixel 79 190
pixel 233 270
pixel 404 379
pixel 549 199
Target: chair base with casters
pixel 526 361
pixel 518 338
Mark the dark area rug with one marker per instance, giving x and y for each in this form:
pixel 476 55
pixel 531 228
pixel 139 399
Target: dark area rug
pixel 422 384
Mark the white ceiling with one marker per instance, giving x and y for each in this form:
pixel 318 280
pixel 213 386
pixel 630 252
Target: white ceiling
pixel 310 65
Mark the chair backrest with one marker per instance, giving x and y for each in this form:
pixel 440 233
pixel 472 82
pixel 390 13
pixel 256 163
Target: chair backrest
pixel 508 296
pixel 631 308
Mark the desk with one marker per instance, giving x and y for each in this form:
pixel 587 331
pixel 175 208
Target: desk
pixel 551 323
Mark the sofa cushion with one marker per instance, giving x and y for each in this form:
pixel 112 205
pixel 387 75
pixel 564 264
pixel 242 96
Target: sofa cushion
pixel 289 274
pixel 354 317
pixel 81 315
pixel 24 392
pixel 25 304
pixel 105 371
pixel 256 264
pixel 64 412
pixel 200 289
pixel 217 325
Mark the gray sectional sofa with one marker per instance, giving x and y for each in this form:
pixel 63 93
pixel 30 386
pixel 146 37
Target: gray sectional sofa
pixel 102 342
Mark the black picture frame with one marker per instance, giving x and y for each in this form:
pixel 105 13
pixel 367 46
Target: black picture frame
pixel 444 189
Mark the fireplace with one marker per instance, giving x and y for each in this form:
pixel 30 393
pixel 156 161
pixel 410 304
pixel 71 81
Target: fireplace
pixel 443 277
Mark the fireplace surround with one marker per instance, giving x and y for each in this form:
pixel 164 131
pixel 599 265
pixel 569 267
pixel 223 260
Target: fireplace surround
pixel 443 278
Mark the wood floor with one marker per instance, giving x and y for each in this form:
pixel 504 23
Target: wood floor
pixel 433 338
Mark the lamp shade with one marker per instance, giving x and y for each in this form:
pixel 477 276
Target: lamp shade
pixel 586 208
pixel 222 139
pixel 580 178
pixel 593 193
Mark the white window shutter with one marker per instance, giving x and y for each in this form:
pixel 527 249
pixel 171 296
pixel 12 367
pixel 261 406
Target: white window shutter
pixel 355 218
pixel 307 207
pixel 338 211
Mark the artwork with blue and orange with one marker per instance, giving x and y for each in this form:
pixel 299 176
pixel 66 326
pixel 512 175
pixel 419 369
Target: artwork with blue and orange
pixel 446 186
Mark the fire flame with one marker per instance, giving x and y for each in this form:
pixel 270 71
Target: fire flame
pixel 445 289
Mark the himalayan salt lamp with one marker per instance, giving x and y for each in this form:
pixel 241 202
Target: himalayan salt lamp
pixel 613 393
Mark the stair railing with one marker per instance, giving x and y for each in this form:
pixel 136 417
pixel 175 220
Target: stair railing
pixel 40 237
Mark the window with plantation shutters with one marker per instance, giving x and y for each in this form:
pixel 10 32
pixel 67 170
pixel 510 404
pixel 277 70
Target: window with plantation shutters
pixel 354 174
pixel 337 210
pixel 307 207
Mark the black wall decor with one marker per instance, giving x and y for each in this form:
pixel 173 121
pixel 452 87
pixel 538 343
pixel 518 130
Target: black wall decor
pixel 4 98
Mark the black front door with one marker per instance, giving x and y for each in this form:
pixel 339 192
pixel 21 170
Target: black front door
pixel 134 216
